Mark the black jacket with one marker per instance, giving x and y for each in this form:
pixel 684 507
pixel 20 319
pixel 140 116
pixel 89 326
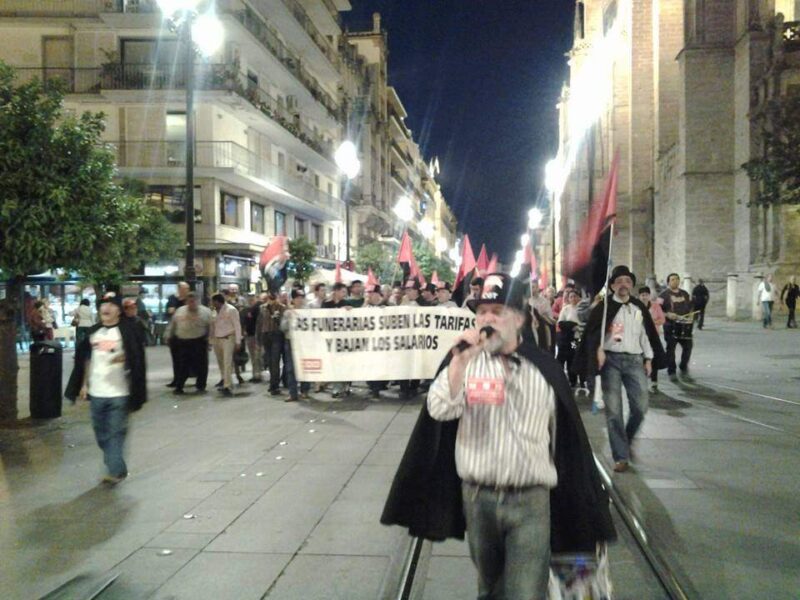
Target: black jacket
pixel 586 358
pixel 134 364
pixel 426 492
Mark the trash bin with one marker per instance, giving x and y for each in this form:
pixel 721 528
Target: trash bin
pixel 46 367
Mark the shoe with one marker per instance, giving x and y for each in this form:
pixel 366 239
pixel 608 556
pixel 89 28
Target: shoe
pixel 219 384
pixel 673 377
pixel 376 394
pixel 112 480
pixel 178 391
pixel 653 388
pixel 254 380
pixel 240 379
pixel 336 394
pixel 201 388
pixel 227 392
pixel 291 399
pixel 620 466
pixel 275 392
pixel 171 384
pixel 304 396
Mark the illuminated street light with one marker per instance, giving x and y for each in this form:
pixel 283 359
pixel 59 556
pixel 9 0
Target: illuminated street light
pixel 346 157
pixel 403 209
pixel 454 255
pixel 441 245
pixel 534 218
pixel 205 33
pixel 426 229
pixel 524 239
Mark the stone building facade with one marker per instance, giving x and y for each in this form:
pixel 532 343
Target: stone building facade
pixel 689 82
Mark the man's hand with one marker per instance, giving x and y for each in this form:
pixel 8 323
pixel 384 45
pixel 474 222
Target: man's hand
pixel 648 367
pixel 601 358
pixel 473 338
pixel 119 358
pixel 671 316
pixel 84 393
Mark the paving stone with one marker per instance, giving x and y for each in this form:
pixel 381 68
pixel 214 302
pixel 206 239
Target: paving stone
pixel 330 578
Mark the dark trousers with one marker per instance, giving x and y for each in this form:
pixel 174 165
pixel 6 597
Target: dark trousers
pixel 409 388
pixel 700 317
pixel 273 351
pixel 174 358
pixel 672 342
pixel 291 374
pixel 191 359
pixel 791 323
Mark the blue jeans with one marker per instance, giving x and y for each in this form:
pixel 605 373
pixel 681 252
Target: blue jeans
pixel 288 367
pixel 110 423
pixel 766 313
pixel 509 541
pixel 628 370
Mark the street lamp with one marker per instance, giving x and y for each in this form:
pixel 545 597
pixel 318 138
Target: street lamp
pixel 534 218
pixel 426 229
pixel 403 209
pixel 201 32
pixel 346 157
pixel 441 246
pixel 555 175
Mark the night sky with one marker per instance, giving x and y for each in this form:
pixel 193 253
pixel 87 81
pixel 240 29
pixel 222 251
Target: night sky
pixel 479 80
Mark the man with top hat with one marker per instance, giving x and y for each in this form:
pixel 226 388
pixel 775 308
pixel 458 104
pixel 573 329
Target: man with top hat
pixel 428 295
pixel 625 354
pixel 411 296
pixel 500 449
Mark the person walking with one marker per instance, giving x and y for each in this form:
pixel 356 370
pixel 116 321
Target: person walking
pixel 254 346
pixel 226 336
pixel 338 300
pixel 129 312
pixel 657 314
pixel 789 295
pixel 700 297
pixel 174 302
pixel 567 329
pixel 84 320
pixel 766 295
pixel 677 306
pixel 268 324
pixel 188 331
pixel 297 303
pixel 110 372
pixel 499 449
pixel 625 353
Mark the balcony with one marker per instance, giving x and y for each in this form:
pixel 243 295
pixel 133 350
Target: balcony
pixel 269 40
pixel 326 251
pixel 73 8
pixel 405 156
pixel 223 155
pixel 114 76
pixel 300 15
pixel 398 179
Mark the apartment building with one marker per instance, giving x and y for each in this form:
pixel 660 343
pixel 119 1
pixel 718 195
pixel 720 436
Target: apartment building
pixel 267 114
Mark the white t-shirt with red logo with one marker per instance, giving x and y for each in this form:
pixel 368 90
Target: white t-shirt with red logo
pixel 106 378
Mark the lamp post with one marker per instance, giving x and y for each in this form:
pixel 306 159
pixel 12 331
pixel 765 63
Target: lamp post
pixel 554 178
pixel 201 32
pixel 346 157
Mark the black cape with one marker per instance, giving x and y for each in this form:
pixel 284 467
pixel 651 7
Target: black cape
pixel 425 496
pixel 586 358
pixel 134 364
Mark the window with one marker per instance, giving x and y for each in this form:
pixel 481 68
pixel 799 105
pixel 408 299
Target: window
pixel 316 234
pixel 256 218
pixel 150 52
pixel 316 180
pixel 229 209
pixel 280 223
pixel 330 236
pixel 281 160
pixel 175 137
pixel 299 227
pixel 252 81
pixel 170 199
pixel 330 189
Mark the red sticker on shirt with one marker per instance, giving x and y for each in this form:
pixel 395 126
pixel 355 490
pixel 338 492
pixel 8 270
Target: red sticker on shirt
pixel 485 390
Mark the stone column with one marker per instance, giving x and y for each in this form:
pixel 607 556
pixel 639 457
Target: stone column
pixel 730 308
pixel 756 305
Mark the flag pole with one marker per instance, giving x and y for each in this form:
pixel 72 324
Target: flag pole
pixel 597 401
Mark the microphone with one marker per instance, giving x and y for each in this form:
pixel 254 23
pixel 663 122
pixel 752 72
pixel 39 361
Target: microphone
pixel 464 344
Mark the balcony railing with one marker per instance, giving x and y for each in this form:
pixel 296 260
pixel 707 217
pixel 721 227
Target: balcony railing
pixel 265 34
pixel 403 154
pixel 221 155
pixel 73 8
pixel 791 36
pixel 300 14
pixel 114 76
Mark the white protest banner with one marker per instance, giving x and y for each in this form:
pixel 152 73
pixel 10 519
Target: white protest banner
pixel 374 344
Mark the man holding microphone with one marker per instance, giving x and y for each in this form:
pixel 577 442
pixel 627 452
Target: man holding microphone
pixel 499 442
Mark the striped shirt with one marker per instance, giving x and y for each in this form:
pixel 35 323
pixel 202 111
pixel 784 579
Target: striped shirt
pixel 627 333
pixel 503 439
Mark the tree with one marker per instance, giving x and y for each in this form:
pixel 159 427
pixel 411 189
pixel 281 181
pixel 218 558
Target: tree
pixel 60 207
pixel 379 258
pixel 429 262
pixel 778 170
pixel 301 259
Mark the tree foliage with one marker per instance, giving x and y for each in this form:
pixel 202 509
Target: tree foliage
pixel 429 262
pixel 59 205
pixel 778 171
pixel 380 259
pixel 301 259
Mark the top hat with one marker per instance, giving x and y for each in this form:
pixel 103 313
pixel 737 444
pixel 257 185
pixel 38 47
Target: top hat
pixel 619 271
pixel 499 288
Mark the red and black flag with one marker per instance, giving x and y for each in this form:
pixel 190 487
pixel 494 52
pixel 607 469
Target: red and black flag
pixel 466 272
pixel 405 257
pixel 273 262
pixel 483 261
pixel 586 260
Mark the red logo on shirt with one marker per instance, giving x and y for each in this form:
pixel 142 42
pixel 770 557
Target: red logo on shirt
pixel 485 390
pixel 105 345
pixel 312 365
